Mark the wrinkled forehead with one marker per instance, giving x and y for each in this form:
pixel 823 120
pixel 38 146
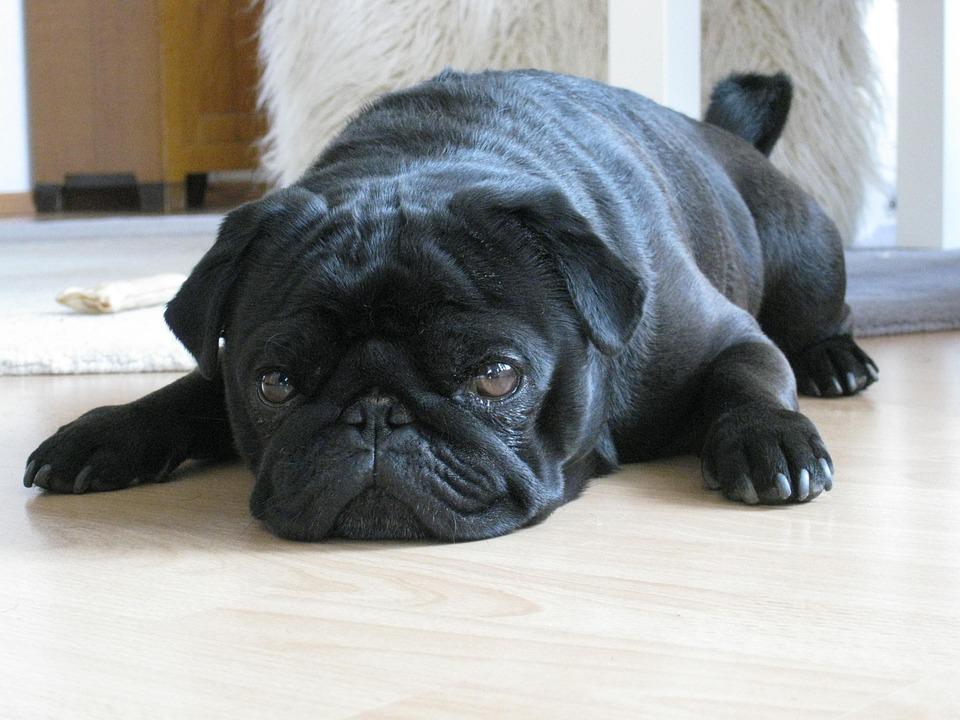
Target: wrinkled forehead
pixel 385 265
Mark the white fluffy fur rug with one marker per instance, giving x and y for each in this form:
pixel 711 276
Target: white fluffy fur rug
pixel 829 145
pixel 323 60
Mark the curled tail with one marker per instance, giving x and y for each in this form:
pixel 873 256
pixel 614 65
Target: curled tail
pixel 752 106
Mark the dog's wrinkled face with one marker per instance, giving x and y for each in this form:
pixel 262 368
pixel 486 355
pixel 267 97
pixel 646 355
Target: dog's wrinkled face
pixel 394 372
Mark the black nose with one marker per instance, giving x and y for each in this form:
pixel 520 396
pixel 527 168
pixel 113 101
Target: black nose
pixel 375 410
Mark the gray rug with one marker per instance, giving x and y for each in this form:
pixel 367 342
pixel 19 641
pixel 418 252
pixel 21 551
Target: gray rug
pixel 903 291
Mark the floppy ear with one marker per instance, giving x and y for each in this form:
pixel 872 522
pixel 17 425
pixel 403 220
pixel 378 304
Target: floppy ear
pixel 607 293
pixel 196 314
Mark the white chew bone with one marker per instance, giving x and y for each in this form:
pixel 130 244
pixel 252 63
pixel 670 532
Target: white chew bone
pixel 123 294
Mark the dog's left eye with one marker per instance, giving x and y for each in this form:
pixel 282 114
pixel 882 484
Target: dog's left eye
pixel 275 387
pixel 495 381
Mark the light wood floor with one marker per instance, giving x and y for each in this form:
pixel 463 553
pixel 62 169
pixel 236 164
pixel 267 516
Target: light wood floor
pixel 648 597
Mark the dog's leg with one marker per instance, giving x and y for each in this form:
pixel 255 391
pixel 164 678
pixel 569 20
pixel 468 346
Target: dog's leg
pixel 757 448
pixel 804 311
pixel 814 333
pixel 143 441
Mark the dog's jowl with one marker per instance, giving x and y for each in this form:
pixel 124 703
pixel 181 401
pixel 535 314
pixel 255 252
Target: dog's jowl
pixel 487 290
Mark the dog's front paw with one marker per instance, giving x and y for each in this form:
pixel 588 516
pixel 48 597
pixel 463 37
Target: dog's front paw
pixel 106 449
pixel 835 367
pixel 759 454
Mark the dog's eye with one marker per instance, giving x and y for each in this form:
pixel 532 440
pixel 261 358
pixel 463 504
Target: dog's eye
pixel 495 381
pixel 275 387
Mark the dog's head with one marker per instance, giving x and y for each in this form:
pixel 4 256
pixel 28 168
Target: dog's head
pixel 401 369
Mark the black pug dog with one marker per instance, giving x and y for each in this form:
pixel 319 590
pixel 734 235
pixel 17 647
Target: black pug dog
pixel 489 289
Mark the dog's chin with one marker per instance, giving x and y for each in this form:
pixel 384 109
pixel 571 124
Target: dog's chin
pixel 371 515
pixel 376 515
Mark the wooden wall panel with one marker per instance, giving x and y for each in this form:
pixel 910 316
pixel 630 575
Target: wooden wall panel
pixel 159 88
pixel 94 87
pixel 209 85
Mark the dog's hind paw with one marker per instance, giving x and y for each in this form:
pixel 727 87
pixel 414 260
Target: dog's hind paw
pixel 763 455
pixel 106 449
pixel 834 367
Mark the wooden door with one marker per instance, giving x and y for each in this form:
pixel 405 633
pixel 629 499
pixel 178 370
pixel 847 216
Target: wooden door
pixel 209 80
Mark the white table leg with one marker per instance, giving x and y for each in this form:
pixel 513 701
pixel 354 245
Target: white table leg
pixel 928 133
pixel 654 49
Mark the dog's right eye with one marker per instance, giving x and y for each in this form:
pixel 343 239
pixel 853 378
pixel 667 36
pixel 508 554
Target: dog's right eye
pixel 495 381
pixel 275 387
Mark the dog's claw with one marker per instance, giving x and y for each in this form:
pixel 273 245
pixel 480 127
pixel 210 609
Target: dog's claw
pixel 28 474
pixel 803 485
pixel 804 479
pixel 825 466
pixel 783 486
pixel 747 492
pixel 872 371
pixel 82 482
pixel 42 474
pixel 827 475
pixel 851 382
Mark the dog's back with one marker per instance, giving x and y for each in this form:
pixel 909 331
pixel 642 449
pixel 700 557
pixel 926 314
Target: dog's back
pixel 603 147
pixel 661 187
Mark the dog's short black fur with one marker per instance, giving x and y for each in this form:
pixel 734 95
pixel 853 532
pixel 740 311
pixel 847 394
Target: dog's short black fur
pixel 487 290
